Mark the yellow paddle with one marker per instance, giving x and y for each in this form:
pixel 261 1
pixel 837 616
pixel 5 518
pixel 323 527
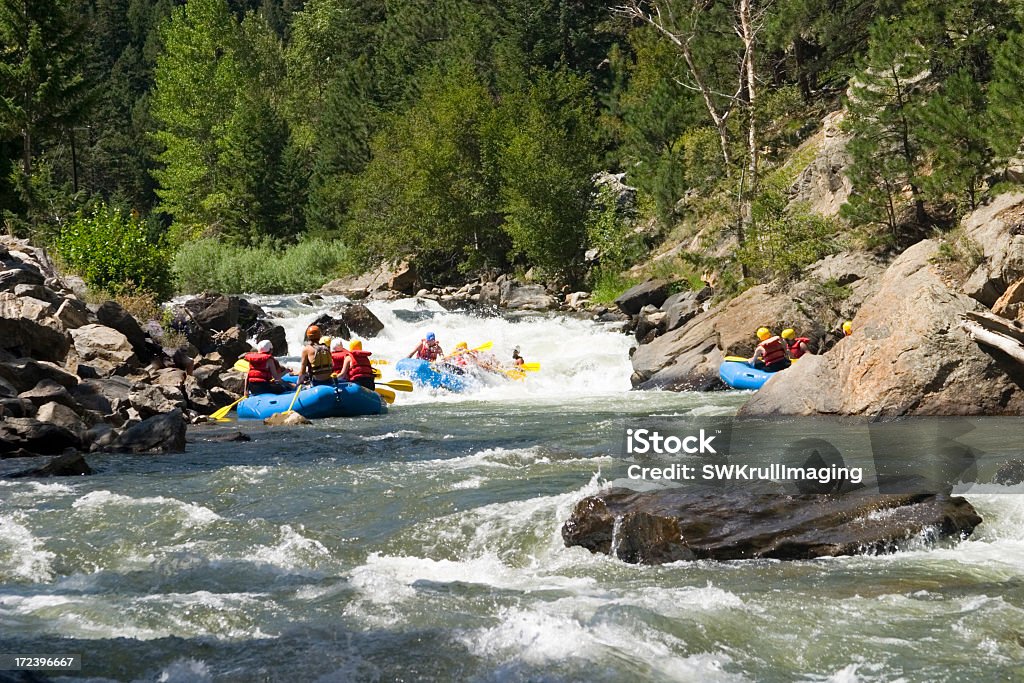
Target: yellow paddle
pixel 482 347
pixel 741 359
pixel 222 413
pixel 386 394
pixel 398 384
pixel 530 367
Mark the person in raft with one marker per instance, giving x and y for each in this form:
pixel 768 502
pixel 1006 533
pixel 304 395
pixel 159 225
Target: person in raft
pixel 798 346
pixel 315 366
pixel 264 372
pixel 517 360
pixel 771 354
pixel 847 328
pixel 427 349
pixel 356 367
pixel 338 355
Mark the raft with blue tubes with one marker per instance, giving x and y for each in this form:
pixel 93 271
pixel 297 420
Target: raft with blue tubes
pixel 427 374
pixel 739 375
pixel 345 399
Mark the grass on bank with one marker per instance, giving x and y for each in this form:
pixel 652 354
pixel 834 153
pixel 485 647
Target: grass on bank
pixel 210 265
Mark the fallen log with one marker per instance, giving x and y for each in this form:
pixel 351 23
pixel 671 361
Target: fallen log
pixel 1010 346
pixel 998 324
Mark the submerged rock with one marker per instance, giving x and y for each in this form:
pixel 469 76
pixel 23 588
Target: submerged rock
pixel 656 527
pixel 69 464
pixel 286 418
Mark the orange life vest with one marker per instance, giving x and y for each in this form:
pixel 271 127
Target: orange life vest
pixel 259 366
pixel 429 350
pixel 361 366
pixel 774 350
pixel 794 349
pixel 338 359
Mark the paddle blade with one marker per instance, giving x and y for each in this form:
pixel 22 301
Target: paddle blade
pixel 241 365
pixel 222 413
pixel 530 367
pixel 484 346
pixel 386 394
pixel 378 361
pixel 398 384
pixel 737 359
pixel 291 405
pixel 376 373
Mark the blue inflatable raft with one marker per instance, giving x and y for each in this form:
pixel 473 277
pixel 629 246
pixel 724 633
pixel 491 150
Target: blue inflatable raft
pixel 427 374
pixel 741 376
pixel 344 400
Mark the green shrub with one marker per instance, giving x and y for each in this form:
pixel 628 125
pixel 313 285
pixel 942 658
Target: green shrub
pixel 209 264
pixel 109 248
pixel 608 285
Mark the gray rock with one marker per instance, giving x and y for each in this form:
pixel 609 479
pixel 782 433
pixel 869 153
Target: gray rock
pixel 62 416
pixel 16 407
pixel 25 373
pixel 285 419
pixel 332 327
pixel 104 396
pixel 684 524
pixel 73 314
pixel 103 351
pixel 361 321
pixel 158 434
pixel 47 391
pixel 232 343
pixel 214 311
pixel 997 229
pixel 156 400
pixel 69 464
pixel 275 334
pixel 529 298
pixel 652 292
pixel 20 275
pixel 113 315
pixel 35 436
pixel 682 307
pixel 28 328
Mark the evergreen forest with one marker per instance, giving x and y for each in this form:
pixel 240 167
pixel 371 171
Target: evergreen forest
pixel 269 145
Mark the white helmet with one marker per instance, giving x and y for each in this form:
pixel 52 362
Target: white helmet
pixel 337 344
pixel 265 346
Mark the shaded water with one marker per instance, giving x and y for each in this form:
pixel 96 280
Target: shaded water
pixel 425 545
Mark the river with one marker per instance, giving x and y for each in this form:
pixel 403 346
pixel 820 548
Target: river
pixel 425 545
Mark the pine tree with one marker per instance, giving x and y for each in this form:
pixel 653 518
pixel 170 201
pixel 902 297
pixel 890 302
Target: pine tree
pixel 953 129
pixel 1006 93
pixel 885 149
pixel 43 87
pixel 198 77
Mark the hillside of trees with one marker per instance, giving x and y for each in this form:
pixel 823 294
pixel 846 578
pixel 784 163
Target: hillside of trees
pixel 466 133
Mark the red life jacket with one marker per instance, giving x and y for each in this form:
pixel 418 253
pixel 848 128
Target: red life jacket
pixel 338 359
pixel 428 350
pixel 794 349
pixel 774 350
pixel 259 366
pixel 361 366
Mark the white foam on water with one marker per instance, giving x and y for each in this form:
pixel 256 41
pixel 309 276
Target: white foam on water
pixel 292 552
pixel 544 636
pixel 400 434
pixel 22 556
pixel 578 358
pixel 190 514
pixel 186 670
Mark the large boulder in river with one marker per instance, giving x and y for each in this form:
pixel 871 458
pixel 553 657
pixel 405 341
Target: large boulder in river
pixel 997 230
pixel 113 315
pixel 28 327
pixel 361 321
pixel 215 312
pixel 24 433
pixel 906 356
pixel 103 351
pixel 159 434
pixel 25 373
pixel 275 334
pixel 669 525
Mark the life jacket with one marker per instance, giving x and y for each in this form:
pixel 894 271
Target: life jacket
pixel 259 366
pixel 774 350
pixel 794 349
pixel 338 359
pixel 322 362
pixel 428 350
pixel 361 366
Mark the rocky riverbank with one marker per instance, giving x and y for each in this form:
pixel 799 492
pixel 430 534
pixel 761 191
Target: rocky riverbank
pixel 79 377
pixel 909 353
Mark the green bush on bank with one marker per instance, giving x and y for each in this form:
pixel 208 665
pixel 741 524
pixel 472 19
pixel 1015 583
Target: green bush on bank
pixel 208 264
pixel 110 249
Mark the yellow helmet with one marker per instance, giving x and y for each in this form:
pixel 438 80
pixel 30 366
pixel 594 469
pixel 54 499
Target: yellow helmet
pixel 788 333
pixel 847 328
pixel 326 341
pixel 763 333
pixel 461 345
pixel 356 345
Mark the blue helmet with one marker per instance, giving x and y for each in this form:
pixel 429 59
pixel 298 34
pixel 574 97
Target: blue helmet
pixel 430 336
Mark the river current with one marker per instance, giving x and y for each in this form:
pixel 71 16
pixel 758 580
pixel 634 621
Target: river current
pixel 425 545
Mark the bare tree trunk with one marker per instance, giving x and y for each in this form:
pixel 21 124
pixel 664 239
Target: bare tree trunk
pixel 747 34
pixel 26 161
